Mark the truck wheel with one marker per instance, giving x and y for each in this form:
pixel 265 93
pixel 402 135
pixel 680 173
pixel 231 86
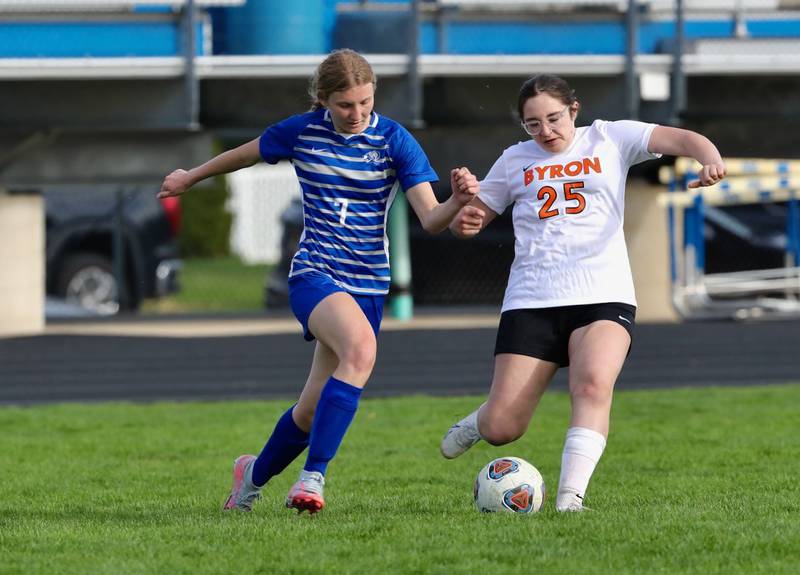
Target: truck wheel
pixel 87 280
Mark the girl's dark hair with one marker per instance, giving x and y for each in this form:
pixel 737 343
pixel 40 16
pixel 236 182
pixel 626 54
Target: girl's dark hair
pixel 545 84
pixel 340 71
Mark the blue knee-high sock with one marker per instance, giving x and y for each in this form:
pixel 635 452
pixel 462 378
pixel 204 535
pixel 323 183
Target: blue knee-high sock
pixel 335 410
pixel 285 444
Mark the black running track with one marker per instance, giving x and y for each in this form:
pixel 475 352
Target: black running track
pixel 54 368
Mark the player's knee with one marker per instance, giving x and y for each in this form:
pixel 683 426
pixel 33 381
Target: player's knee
pixel 360 355
pixel 500 432
pixel 593 389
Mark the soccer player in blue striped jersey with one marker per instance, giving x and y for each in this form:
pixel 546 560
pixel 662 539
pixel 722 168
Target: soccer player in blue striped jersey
pixel 350 162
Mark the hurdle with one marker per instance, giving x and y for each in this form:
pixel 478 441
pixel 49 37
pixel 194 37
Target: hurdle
pixel 750 293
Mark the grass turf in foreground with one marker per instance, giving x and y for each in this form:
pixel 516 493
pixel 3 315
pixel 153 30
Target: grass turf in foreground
pixel 693 481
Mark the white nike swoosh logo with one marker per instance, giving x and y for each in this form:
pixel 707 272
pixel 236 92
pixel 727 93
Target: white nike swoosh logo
pixel 624 318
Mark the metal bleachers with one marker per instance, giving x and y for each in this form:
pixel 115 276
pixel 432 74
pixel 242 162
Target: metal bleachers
pixel 753 290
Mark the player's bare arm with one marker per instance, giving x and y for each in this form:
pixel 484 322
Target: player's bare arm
pixel 471 219
pixel 179 181
pixel 435 216
pixel 679 142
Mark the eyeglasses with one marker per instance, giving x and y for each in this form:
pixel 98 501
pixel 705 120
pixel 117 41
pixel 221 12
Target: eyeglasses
pixel 534 127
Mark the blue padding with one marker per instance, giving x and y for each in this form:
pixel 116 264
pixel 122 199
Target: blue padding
pixel 530 38
pixel 306 26
pixel 773 28
pixel 97 39
pixel 653 35
pixel 566 37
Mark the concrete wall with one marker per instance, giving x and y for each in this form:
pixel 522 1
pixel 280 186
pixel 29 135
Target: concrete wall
pixel 21 264
pixel 648 249
pixel 58 157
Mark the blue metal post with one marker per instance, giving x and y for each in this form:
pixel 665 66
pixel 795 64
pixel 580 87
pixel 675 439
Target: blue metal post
pixel 699 236
pixel 793 231
pixel 673 256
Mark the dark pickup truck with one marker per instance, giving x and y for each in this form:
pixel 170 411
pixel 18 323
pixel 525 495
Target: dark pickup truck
pixel 96 234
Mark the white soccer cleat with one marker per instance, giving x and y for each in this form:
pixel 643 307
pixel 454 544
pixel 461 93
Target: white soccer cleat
pixel 570 503
pixel 461 436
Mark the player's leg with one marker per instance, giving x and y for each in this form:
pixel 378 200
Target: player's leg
pixel 289 437
pixel 597 353
pixel 528 351
pixel 340 323
pixel 322 368
pixel 517 387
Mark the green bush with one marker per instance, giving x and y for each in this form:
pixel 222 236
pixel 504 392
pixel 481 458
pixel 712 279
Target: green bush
pixel 206 224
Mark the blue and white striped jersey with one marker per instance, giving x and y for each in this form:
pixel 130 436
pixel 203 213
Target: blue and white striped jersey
pixel 348 183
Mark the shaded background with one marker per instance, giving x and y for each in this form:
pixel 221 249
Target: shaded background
pixel 100 99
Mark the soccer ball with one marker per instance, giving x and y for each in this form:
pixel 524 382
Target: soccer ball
pixel 509 484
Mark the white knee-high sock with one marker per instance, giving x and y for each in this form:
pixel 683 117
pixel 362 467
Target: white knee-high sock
pixel 582 450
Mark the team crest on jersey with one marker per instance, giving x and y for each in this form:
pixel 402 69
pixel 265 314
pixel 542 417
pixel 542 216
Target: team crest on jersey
pixel 372 157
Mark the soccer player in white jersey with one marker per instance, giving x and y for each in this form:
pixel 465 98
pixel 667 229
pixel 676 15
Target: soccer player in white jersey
pixel 350 162
pixel 570 298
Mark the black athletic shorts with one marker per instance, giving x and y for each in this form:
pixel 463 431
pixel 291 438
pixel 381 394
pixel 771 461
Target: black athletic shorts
pixel 544 333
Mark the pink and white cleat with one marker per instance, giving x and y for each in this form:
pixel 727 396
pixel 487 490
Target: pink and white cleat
pixel 243 492
pixel 306 493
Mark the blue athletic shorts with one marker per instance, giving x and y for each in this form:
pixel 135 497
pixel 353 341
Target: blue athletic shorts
pixel 307 290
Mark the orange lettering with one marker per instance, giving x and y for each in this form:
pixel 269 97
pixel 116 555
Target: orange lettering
pixel 573 168
pixel 594 164
pixel 556 171
pixel 541 172
pixel 528 176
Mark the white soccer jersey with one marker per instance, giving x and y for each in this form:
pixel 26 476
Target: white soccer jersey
pixel 568 215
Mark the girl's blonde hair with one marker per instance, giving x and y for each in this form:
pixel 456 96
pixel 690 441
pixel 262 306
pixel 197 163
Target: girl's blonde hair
pixel 340 71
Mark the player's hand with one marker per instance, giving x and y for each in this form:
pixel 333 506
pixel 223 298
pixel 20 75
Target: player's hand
pixel 175 184
pixel 468 222
pixel 709 175
pixel 464 185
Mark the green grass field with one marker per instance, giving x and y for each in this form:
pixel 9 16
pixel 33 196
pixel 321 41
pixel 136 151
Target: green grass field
pixel 693 481
pixel 222 284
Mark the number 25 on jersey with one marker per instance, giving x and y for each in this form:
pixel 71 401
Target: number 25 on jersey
pixel 549 194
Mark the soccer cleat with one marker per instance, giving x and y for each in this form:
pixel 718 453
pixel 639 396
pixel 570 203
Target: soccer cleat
pixel 306 493
pixel 461 436
pixel 243 492
pixel 570 503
